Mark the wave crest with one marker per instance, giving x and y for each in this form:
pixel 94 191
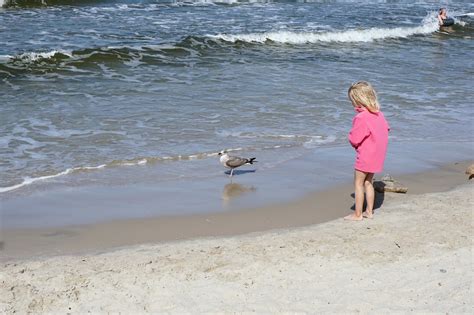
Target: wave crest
pixel 89 59
pixel 189 49
pixel 123 4
pixel 43 3
pixel 349 36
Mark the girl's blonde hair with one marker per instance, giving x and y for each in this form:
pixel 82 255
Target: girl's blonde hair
pixel 362 94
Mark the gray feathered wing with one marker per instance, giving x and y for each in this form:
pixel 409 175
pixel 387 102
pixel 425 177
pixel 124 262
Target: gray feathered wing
pixel 235 161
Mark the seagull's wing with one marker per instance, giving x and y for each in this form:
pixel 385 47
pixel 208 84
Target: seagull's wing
pixel 235 161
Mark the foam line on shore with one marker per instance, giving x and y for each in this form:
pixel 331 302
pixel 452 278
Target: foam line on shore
pixel 31 180
pixel 132 162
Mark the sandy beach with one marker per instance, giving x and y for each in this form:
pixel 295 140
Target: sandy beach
pixel 415 256
pixel 114 198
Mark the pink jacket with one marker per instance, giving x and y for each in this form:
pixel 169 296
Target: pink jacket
pixel 369 137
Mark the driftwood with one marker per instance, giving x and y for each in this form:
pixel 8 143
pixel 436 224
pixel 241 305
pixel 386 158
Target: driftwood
pixel 470 171
pixel 388 184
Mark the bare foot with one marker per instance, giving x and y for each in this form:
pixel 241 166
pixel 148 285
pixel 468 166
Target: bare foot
pixel 353 217
pixel 368 215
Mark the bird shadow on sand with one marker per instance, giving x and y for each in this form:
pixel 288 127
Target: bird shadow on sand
pixel 240 172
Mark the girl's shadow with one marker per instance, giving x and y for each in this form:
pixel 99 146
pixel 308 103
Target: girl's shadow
pixel 378 201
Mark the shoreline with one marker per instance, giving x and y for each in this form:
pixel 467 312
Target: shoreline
pixel 312 208
pixel 135 195
pixel 415 256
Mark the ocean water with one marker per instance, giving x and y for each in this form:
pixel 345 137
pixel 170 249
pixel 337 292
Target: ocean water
pixel 148 91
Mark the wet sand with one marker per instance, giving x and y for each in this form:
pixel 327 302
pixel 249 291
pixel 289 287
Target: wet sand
pixel 313 208
pixel 414 256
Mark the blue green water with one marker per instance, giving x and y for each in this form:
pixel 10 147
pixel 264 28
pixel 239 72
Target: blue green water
pixel 118 92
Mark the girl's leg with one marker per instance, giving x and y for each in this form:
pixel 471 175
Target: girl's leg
pixel 369 196
pixel 359 179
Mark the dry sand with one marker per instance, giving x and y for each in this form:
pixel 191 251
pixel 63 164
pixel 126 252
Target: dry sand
pixel 416 255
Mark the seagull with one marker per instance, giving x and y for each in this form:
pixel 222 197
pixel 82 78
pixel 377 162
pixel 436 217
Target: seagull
pixel 233 162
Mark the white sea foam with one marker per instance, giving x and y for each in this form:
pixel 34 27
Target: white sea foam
pixel 133 163
pixel 120 163
pixel 318 141
pixel 458 15
pixel 5 57
pixel 146 160
pixel 300 138
pixel 428 26
pixel 203 2
pixel 34 56
pixel 30 180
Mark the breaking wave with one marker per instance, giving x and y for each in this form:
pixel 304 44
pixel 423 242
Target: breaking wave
pixel 123 3
pixel 91 59
pixel 188 50
pixel 43 3
pixel 428 26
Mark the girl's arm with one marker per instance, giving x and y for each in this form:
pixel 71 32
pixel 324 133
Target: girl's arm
pixel 440 20
pixel 359 132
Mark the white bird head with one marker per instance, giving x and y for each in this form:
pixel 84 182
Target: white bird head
pixel 223 152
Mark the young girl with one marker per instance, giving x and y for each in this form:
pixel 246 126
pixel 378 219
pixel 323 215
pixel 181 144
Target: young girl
pixel 369 137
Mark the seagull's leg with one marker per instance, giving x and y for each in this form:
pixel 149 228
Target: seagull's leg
pixel 231 172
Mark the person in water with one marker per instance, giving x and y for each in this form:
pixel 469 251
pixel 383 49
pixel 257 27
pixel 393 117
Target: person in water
pixel 442 16
pixel 369 137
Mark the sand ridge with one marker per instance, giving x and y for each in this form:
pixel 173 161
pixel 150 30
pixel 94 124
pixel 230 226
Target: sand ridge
pixel 416 255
